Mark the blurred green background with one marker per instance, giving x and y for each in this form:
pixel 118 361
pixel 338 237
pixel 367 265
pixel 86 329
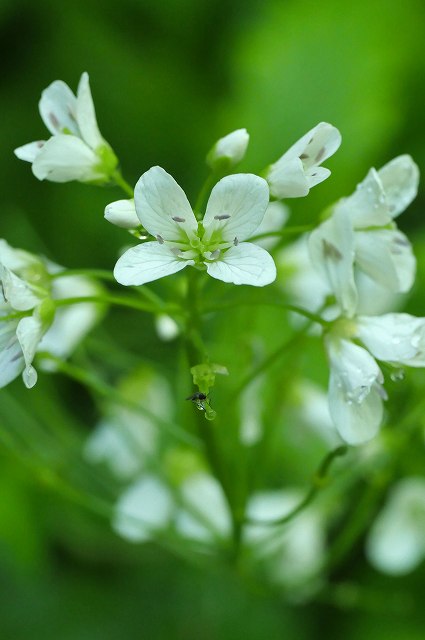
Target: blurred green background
pixel 168 78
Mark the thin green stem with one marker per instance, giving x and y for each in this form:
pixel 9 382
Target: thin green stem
pixel 267 362
pixel 205 192
pixel 100 387
pixel 99 274
pixel 320 479
pixel 103 274
pixel 314 317
pixel 122 301
pixel 283 232
pixel 121 182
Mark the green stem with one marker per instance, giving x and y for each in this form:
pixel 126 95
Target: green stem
pixel 122 301
pixel 319 481
pixel 93 382
pixel 103 274
pixel 283 232
pixel 205 192
pixel 207 431
pixel 267 362
pixel 99 274
pixel 314 317
pixel 120 182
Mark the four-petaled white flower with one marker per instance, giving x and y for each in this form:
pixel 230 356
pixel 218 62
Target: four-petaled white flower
pixel 234 211
pixel 355 385
pixel 361 234
pixel 298 170
pixel 76 150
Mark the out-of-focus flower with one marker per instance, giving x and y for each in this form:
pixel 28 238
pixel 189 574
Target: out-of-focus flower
pixel 396 543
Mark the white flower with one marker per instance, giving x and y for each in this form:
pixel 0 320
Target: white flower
pixel 122 213
pixel 298 170
pixel 144 509
pixel 355 385
pixel 228 151
pixel 205 515
pixel 76 150
pixel 235 210
pixel 361 234
pixel 396 543
pixel 296 555
pixel 355 391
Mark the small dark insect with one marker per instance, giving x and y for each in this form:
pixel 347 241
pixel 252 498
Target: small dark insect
pixel 199 399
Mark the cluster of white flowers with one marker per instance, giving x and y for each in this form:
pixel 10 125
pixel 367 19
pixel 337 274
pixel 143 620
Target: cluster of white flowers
pixel 360 237
pixel 358 241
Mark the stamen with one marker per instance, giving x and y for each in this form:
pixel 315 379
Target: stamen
pixel 215 254
pixel 53 119
pixel 177 252
pixel 222 217
pixel 320 154
pixel 178 219
pixel 304 156
pixel 235 241
pixel 160 239
pixel 330 251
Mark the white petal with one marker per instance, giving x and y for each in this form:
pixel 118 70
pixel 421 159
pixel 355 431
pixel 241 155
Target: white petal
pixel 394 337
pixel 386 256
pixel 158 199
pixel 147 262
pixel 11 357
pixel 204 498
pixel 274 219
pixel 29 334
pixel 71 323
pixel 316 175
pixel 293 175
pixel 18 259
pixel 86 116
pixel 123 214
pixel 304 281
pixel 287 179
pixel 355 393
pixel 244 264
pixel 356 422
pixel 18 293
pixel 58 108
pixel 331 248
pixel 231 147
pixel 242 199
pixel 367 206
pixel 64 158
pixel 144 508
pixel 396 543
pixel 30 151
pixel 400 179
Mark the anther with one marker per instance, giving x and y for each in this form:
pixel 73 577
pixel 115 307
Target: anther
pixel 222 217
pixel 178 219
